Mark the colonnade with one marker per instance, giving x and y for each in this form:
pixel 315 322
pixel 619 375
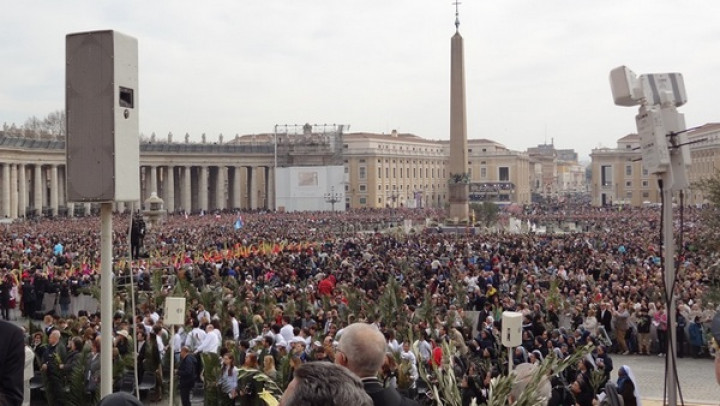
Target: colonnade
pixel 30 189
pixel 194 188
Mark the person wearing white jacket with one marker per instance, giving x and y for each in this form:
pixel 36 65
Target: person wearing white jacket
pixel 28 373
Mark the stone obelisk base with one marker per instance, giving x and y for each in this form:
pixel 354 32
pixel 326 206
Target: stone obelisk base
pixel 459 210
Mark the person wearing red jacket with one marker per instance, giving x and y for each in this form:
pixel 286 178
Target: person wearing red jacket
pixel 327 285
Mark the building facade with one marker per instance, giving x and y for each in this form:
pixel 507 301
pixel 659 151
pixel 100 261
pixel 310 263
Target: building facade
pixel 555 172
pixel 188 176
pixel 404 170
pixel 381 170
pixel 618 176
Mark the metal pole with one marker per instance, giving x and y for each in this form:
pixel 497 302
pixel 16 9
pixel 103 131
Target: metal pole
pixel 106 299
pixel 172 364
pixel 669 259
pixel 510 363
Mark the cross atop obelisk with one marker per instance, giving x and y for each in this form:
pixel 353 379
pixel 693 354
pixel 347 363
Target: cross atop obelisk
pixel 458 184
pixel 457 15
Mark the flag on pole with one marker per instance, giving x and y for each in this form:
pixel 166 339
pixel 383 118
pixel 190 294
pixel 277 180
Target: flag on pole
pixel 239 223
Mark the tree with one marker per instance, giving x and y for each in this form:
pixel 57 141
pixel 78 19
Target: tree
pixel 486 213
pixel 55 123
pixel 51 126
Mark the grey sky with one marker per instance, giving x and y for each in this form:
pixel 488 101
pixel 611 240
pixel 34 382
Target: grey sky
pixel 535 70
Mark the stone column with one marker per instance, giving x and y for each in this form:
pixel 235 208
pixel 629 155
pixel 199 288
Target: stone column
pixel 185 192
pixel 6 191
pixel 203 188
pixel 145 189
pixel 88 208
pixel 62 182
pixel 153 180
pixel 22 186
pixel 252 186
pixel 237 188
pixel 270 188
pixel 169 188
pixel 54 190
pixel 220 198
pixel 120 207
pixel 70 209
pixel 38 192
pixel 13 191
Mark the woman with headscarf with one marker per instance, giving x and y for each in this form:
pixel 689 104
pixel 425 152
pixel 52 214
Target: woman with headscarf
pixel 627 387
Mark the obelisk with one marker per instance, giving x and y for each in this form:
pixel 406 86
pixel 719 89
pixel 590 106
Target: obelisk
pixel 458 183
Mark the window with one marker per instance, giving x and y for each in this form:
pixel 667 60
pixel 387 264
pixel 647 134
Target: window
pixel 347 188
pixel 394 173
pixel 645 195
pixel 628 195
pixel 363 188
pixel 645 184
pixel 606 175
pixel 379 171
pixel 347 169
pixel 628 170
pixel 645 172
pixel 628 183
pixel 504 174
pixel 483 173
pixel 363 201
pixel 387 172
pixel 362 172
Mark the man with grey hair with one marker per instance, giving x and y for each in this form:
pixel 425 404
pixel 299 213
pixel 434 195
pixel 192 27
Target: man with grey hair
pixel 362 350
pixel 323 383
pixel 524 375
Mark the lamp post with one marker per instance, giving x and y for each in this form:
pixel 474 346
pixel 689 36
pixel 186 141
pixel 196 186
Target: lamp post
pixel 333 197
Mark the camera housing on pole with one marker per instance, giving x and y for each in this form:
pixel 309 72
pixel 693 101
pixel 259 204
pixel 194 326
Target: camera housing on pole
pixel 665 153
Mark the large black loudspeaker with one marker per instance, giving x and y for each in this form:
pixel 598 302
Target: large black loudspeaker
pixel 101 103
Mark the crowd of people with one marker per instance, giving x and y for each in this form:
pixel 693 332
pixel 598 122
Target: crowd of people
pixel 275 291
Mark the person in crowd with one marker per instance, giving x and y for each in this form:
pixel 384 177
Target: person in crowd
pixel 186 374
pixel 523 376
pixel 12 364
pixel 661 325
pixel 54 357
pixel 120 399
pixel 322 383
pixel 643 322
pixel 228 380
pixel 269 367
pixel 622 325
pixel 680 326
pixel 362 350
pixel 627 387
